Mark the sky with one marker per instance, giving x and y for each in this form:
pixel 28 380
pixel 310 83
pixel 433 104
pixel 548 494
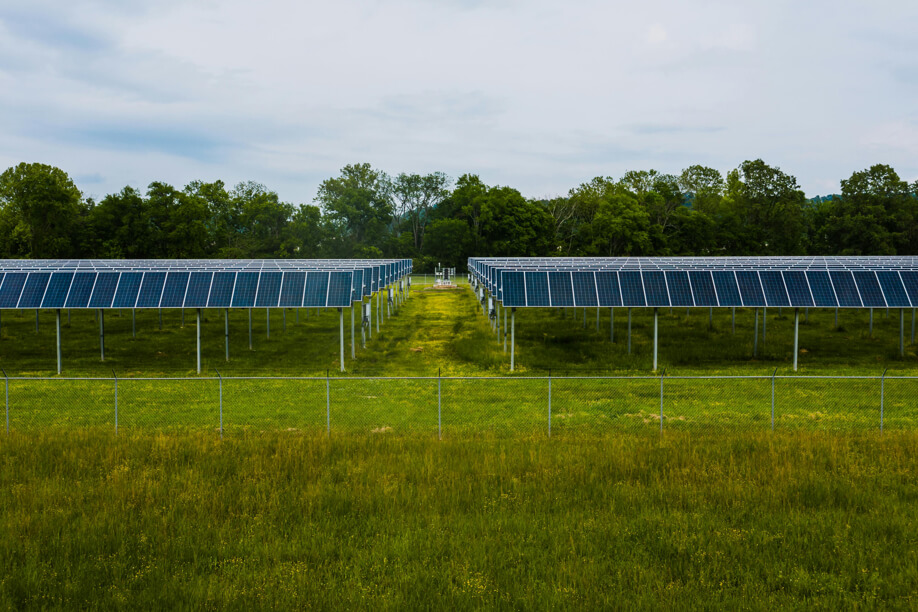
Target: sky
pixel 538 95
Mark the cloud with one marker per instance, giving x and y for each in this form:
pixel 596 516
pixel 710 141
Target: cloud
pixel 534 94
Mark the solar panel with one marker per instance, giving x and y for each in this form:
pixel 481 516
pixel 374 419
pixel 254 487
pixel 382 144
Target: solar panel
pixel 174 290
pixel 340 289
pixel 244 293
pixel 584 289
pixel 893 289
pixel 655 288
pixel 11 289
pixel 869 288
pixel 198 289
pixel 80 290
pixel 562 292
pixel 358 285
pixel 910 280
pixel 269 287
pixel 537 289
pixel 773 287
pixel 103 292
pixel 58 287
pixel 680 291
pixel 725 283
pixel 316 289
pixel 128 287
pixel 514 292
pixel 798 290
pixel 632 289
pixel 34 290
pixel 607 288
pixel 151 290
pixel 821 287
pixel 221 290
pixel 750 288
pixel 845 289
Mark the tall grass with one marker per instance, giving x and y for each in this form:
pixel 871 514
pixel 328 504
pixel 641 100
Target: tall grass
pixel 286 520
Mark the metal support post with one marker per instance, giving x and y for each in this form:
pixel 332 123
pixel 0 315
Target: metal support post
pixel 870 325
pixel 512 337
pixel 268 320
pixel 226 330
pixel 36 320
pixel 629 331
pixel 378 309
pixel 341 326
pixel 711 318
pixel 133 322
pixel 353 335
pixel 612 325
pixel 58 321
pixel 733 320
pixel 102 333
pixel 764 325
pixel 901 332
pixel 796 335
pixel 250 329
pixel 913 326
pixel 198 333
pixel 755 335
pixel 505 331
pixel 655 326
pixel 597 318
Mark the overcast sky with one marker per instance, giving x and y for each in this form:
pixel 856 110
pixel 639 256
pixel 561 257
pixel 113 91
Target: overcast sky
pixel 537 95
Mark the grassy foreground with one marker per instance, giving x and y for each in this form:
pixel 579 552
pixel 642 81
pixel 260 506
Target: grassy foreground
pixel 290 521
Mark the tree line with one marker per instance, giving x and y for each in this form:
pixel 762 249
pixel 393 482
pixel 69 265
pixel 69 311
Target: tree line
pixel 756 209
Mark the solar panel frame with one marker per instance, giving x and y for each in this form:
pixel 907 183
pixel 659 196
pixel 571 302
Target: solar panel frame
pixel 680 288
pixel 562 289
pixel 81 290
pixel 584 288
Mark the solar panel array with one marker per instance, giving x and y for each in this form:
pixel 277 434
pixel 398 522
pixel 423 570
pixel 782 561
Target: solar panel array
pixel 288 283
pixel 842 282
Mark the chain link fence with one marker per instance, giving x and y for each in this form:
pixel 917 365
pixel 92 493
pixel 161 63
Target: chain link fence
pixel 464 406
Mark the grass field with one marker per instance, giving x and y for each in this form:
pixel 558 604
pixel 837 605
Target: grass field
pixel 717 512
pixel 751 521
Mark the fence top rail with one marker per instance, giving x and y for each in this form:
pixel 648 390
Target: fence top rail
pixel 482 378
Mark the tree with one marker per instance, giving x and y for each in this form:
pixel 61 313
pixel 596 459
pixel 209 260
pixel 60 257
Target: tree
pixel 359 205
pixel 121 225
pixel 449 243
pixel 307 235
pixel 771 207
pixel 263 219
pixel 415 196
pixel 514 226
pixel 706 186
pixel 39 211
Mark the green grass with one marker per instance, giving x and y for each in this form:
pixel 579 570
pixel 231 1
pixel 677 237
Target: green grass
pixel 284 520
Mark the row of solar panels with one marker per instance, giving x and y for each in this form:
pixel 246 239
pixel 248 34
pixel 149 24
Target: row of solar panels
pixel 180 289
pixel 813 288
pixel 391 269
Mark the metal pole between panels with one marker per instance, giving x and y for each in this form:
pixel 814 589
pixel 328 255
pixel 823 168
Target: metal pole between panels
pixel 250 329
pixel 764 324
pixel 755 335
pixel 353 334
pixel 58 326
pixel 505 331
pixel 655 334
pixel 341 326
pixel 102 333
pixel 612 325
pixel 226 330
pixel 198 333
pixel 512 337
pixel 901 332
pixel 796 335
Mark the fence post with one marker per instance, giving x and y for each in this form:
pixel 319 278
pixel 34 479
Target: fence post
pixel 220 379
pixel 549 403
pixel 327 406
pixel 6 387
pixel 439 406
pixel 773 374
pixel 115 376
pixel 662 374
pixel 882 389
